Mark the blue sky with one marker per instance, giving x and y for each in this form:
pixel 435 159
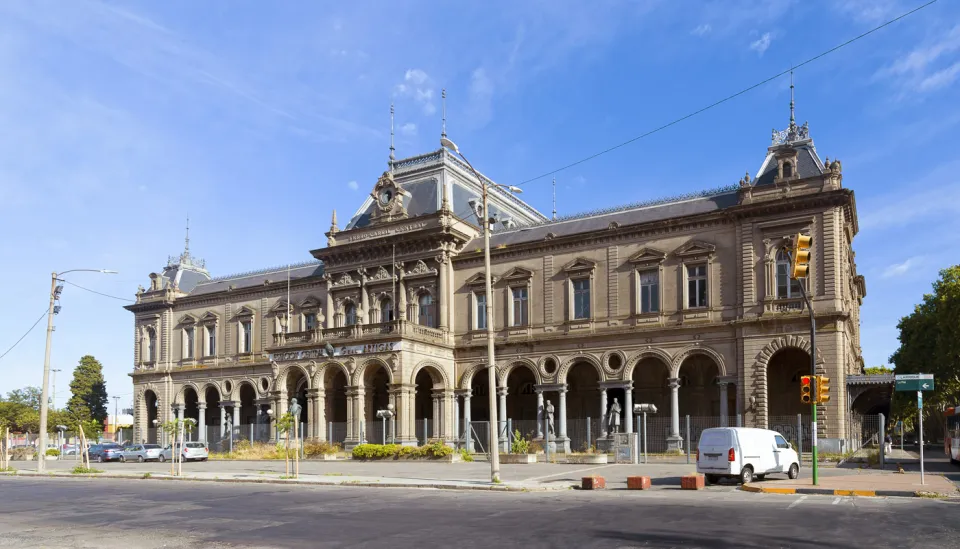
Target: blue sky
pixel 120 119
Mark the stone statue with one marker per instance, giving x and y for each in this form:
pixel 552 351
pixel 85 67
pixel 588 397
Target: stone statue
pixel 613 417
pixel 549 410
pixel 295 409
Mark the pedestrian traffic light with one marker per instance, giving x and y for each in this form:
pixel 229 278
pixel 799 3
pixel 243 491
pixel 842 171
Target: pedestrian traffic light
pixel 806 391
pixel 823 389
pixel 801 256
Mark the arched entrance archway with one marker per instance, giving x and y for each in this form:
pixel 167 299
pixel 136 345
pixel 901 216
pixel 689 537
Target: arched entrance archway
pixel 583 405
pixel 191 409
pixel 480 410
pixel 150 402
pixel 428 405
pixel 783 384
pixel 335 403
pixel 214 418
pixel 376 396
pixel 248 411
pixel 297 384
pixel 522 407
pixel 699 393
pixel 650 377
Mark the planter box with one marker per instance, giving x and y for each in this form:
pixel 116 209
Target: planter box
pixel 593 483
pixel 51 458
pixel 514 459
pixel 452 458
pixel 691 482
pixel 587 459
pixel 638 483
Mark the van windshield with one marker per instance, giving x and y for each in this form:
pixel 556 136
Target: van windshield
pixel 715 438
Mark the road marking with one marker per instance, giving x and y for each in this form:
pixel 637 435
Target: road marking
pixel 836 500
pixel 798 502
pixel 571 472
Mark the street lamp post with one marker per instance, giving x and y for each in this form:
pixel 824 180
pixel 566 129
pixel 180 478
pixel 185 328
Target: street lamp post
pixel 44 393
pixel 488 313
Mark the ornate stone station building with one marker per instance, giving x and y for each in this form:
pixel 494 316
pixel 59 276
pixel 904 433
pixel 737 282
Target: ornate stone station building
pixel 684 303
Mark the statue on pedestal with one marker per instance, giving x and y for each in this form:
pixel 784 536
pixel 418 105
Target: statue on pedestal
pixel 613 417
pixel 295 409
pixel 549 410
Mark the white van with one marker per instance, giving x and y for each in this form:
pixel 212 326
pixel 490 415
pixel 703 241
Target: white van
pixel 745 453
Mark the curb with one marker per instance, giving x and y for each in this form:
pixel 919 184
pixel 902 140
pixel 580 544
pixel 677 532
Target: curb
pixel 288 482
pixel 838 492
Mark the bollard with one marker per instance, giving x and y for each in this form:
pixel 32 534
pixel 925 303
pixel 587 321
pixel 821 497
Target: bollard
pixel 330 432
pixel 688 439
pixel 589 442
pixel 882 439
pixel 800 439
pixel 509 436
pixel 426 432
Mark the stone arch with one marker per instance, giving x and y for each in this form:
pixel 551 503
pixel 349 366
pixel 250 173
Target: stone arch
pixel 696 350
pixel 570 362
pixel 636 358
pixel 320 377
pixel 358 374
pixel 211 385
pixel 504 373
pixel 761 365
pixel 433 366
pixel 282 377
pixel 466 379
pixel 180 398
pixel 800 342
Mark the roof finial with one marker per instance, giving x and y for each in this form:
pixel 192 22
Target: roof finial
pixel 554 198
pixel 393 157
pixel 333 222
pixel 186 242
pixel 793 121
pixel 443 110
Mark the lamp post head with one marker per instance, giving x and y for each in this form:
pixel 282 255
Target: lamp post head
pixel 269 411
pixel 514 190
pixel 444 142
pixel 156 421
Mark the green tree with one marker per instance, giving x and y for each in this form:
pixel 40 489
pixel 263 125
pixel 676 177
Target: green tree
pixel 29 396
pixel 930 344
pixel 89 391
pixel 877 370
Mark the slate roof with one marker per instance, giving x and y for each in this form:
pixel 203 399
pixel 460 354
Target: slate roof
pixel 632 214
pixel 808 164
pixel 258 278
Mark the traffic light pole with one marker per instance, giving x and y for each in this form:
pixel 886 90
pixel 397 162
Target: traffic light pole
pixel 816 389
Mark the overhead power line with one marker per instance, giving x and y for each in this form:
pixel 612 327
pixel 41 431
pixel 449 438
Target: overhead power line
pixel 729 97
pixel 25 335
pixel 96 292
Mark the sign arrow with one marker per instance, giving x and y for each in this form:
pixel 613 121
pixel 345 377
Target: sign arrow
pixel 926 385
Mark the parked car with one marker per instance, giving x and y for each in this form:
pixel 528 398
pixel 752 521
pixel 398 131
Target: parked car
pixel 108 451
pixel 141 452
pixel 69 450
pixel 745 453
pixel 192 451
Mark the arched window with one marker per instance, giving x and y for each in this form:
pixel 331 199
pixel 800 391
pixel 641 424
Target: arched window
pixel 426 305
pixel 386 310
pixel 786 287
pixel 787 169
pixel 350 314
pixel 151 345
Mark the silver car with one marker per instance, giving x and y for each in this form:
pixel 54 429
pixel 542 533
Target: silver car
pixel 141 452
pixel 191 451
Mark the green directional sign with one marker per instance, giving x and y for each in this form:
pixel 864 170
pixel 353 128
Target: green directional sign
pixel 914 382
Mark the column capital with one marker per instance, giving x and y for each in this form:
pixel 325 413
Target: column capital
pixel 502 391
pixel 179 407
pixel 616 384
pixel 227 404
pixel 673 383
pixel 551 387
pixel 727 380
pixel 201 405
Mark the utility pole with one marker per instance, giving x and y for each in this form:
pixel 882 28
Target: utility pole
pixel 800 271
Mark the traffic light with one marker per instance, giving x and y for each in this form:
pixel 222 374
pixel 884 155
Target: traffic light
pixel 823 389
pixel 801 256
pixel 806 390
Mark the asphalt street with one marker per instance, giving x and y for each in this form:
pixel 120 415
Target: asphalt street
pixel 102 513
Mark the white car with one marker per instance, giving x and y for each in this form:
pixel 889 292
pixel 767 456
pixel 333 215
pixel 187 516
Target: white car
pixel 191 451
pixel 745 453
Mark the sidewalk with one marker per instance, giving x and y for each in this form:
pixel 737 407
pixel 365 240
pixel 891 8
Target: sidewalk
pixel 885 484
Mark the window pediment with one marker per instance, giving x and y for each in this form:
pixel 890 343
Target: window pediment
pixel 279 307
pixel 695 248
pixel 309 303
pixel 187 320
pixel 245 312
pixel 480 280
pixel 209 318
pixel 580 265
pixel 418 269
pixel 518 274
pixel 647 256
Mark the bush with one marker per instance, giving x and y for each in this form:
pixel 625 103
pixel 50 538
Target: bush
pixel 467 456
pixel 81 470
pixel 53 452
pixel 535 447
pixel 375 451
pixel 520 444
pixel 245 450
pixel 436 449
pixel 323 448
pixel 21 454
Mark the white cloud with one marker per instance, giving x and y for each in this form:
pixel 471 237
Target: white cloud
pixel 869 11
pixel 929 67
pixel 408 129
pixel 761 44
pixel 900 269
pixel 353 185
pixel 480 97
pixel 919 202
pixel 418 85
pixel 702 29
pixel 940 78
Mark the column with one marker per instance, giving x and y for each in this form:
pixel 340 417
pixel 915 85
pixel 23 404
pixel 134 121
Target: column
pixel 539 413
pixel 674 440
pixel 563 419
pixel 223 421
pixel 456 419
pixel 202 422
pixel 603 412
pixel 320 416
pixel 628 408
pixel 328 306
pixel 364 301
pixel 178 411
pixel 502 419
pixel 442 293
pixel 449 294
pixel 359 415
pixel 449 412
pixel 435 418
pixel 468 432
pixel 401 305
pixel 724 412
pixel 236 416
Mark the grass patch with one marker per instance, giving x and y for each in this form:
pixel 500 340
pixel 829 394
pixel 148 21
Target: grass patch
pixel 244 450
pixel 81 470
pixel 147 475
pixel 7 470
pixel 333 474
pixel 288 477
pixel 465 455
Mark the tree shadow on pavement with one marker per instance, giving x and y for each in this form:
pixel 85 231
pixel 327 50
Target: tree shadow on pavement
pixel 711 540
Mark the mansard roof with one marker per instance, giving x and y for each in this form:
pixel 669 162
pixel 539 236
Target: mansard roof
pixel 259 278
pixel 808 162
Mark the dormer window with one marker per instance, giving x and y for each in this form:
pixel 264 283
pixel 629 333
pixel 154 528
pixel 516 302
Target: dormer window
pixel 787 169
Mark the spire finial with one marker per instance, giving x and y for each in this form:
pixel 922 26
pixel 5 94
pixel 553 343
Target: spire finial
pixel 393 157
pixel 554 198
pixel 333 222
pixel 443 110
pixel 186 241
pixel 793 121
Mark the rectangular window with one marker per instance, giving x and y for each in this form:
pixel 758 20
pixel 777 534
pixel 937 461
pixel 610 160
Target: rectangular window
pixel 309 321
pixel 481 313
pixel 211 341
pixel 519 306
pixel 581 299
pixel 786 287
pixel 650 292
pixel 188 345
pixel 246 333
pixel 696 286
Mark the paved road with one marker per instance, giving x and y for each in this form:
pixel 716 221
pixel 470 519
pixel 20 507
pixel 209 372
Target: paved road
pixel 106 513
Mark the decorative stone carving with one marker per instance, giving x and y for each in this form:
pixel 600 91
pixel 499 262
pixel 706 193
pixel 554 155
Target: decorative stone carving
pixel 381 274
pixel 345 280
pixel 419 268
pixel 745 182
pixel 388 198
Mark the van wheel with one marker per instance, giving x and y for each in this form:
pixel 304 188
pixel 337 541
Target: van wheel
pixel 746 475
pixel 710 479
pixel 794 471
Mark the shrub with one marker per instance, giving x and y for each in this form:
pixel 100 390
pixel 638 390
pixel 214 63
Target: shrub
pixel 375 451
pixel 53 452
pixel 21 454
pixel 81 470
pixel 245 450
pixel 535 447
pixel 520 444
pixel 437 449
pixel 467 456
pixel 322 448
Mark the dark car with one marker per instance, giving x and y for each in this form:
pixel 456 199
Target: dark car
pixel 105 452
